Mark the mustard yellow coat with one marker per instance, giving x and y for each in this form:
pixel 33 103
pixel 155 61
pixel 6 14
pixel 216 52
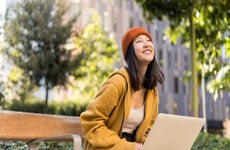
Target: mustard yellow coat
pixel 104 117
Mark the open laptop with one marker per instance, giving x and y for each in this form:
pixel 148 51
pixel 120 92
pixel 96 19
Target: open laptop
pixel 173 132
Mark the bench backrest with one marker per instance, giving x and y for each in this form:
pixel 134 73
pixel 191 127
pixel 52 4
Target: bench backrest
pixel 30 126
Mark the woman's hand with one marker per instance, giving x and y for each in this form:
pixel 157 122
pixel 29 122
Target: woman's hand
pixel 138 146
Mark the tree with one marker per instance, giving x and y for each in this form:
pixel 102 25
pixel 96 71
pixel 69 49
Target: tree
pixel 182 16
pixel 36 33
pixel 99 51
pixel 214 45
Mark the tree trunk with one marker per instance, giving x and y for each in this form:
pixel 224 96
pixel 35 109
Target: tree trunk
pixel 2 101
pixel 195 104
pixel 46 99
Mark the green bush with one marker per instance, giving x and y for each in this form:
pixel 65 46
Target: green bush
pixel 68 108
pixel 207 141
pixel 33 106
pixel 18 145
pixel 13 145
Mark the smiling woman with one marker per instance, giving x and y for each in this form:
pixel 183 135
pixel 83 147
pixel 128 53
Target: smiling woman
pixel 123 111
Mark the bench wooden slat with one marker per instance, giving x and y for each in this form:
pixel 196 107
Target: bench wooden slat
pixel 31 126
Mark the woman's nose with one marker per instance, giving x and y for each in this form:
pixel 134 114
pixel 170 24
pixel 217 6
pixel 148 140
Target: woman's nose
pixel 146 43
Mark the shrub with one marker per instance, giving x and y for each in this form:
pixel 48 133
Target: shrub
pixel 68 108
pixel 208 141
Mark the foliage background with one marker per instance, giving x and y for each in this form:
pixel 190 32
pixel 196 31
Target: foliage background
pixel 83 58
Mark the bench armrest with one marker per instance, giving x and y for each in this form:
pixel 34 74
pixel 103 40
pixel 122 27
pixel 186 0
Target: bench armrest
pixel 75 138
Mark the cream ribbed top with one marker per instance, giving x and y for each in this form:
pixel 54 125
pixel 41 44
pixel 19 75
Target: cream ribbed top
pixel 135 118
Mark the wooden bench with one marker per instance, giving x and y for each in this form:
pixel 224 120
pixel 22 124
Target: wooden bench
pixel 220 127
pixel 35 128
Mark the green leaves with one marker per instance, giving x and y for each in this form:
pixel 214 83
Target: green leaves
pixel 99 53
pixel 175 10
pixel 221 82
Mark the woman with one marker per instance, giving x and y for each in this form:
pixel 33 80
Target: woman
pixel 124 110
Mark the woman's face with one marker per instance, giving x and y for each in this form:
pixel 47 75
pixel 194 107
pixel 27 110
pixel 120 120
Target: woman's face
pixel 144 49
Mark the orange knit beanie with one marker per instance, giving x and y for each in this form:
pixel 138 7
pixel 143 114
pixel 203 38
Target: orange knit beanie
pixel 130 35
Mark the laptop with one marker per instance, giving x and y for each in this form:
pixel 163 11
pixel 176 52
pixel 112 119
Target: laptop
pixel 173 132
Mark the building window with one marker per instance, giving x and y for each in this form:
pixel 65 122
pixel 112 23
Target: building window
pixel 106 21
pixel 169 59
pixel 140 23
pixel 148 27
pixel 176 59
pixel 184 89
pixel 157 34
pixel 131 7
pixel 115 23
pixel 120 3
pixel 131 22
pixel 163 37
pixel 185 62
pixel 163 87
pixel 160 56
pixel 176 85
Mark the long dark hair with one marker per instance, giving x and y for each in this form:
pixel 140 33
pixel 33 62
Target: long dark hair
pixel 153 73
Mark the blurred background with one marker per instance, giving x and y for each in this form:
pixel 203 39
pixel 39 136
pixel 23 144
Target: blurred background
pixel 55 55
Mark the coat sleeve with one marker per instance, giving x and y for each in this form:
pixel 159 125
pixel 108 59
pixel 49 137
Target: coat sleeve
pixel 97 113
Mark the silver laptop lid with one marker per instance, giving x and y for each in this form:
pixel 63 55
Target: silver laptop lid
pixel 173 132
